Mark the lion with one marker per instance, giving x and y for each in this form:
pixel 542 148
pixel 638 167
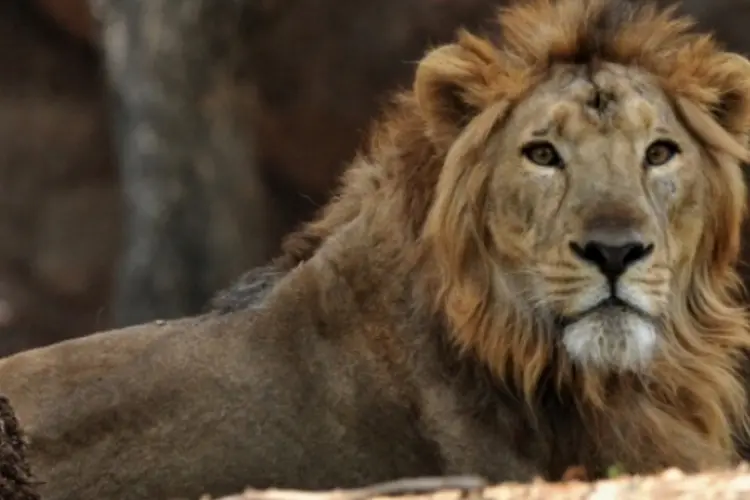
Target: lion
pixel 531 267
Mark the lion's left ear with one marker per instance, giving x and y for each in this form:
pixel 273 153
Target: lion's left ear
pixel 718 108
pixel 733 108
pixel 453 84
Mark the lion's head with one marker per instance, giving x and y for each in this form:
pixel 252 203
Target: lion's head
pixel 574 196
pixel 587 211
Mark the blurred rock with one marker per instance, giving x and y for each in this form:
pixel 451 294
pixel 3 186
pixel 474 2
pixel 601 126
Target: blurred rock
pixel 59 200
pixel 16 482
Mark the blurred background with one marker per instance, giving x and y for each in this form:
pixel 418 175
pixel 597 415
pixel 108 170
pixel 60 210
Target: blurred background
pixel 153 150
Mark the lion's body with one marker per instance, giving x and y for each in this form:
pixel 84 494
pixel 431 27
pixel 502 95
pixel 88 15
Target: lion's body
pixel 351 409
pixel 449 312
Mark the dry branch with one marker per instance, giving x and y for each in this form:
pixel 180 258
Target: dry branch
pixel 670 485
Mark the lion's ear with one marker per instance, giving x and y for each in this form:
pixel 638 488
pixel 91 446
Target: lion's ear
pixel 722 97
pixel 733 108
pixel 715 106
pixel 453 84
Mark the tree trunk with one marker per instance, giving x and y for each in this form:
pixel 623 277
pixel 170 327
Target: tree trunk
pixel 195 212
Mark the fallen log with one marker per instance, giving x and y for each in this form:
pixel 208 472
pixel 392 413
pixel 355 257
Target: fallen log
pixel 671 484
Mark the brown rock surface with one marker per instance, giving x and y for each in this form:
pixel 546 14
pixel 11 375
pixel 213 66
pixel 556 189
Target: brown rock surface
pixel 59 201
pixel 73 15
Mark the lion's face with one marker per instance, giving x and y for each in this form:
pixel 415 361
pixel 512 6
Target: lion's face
pixel 590 197
pixel 583 214
pixel 601 189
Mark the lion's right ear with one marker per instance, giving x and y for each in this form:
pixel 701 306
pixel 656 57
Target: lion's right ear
pixel 453 84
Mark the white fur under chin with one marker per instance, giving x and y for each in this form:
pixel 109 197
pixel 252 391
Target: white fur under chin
pixel 612 340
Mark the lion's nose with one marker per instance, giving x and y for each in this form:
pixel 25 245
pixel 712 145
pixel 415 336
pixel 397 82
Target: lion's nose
pixel 612 252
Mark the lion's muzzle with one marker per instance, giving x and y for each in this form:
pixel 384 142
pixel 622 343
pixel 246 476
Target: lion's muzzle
pixel 616 331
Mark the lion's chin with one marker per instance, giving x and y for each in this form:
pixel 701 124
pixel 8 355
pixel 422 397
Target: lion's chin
pixel 612 339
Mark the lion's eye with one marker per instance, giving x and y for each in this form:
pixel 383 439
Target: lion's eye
pixel 660 152
pixel 543 154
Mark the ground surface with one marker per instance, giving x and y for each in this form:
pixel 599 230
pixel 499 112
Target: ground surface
pixel 668 486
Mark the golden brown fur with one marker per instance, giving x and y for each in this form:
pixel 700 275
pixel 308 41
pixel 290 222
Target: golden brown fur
pixel 694 395
pixel 422 325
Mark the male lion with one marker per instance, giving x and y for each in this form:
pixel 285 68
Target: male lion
pixel 532 267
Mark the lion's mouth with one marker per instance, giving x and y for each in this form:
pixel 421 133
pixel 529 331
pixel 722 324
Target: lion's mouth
pixel 610 305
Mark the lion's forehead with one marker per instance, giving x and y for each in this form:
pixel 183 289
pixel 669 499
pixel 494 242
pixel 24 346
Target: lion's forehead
pixel 609 103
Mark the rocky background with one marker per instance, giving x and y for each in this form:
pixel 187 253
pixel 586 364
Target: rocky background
pixel 150 150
